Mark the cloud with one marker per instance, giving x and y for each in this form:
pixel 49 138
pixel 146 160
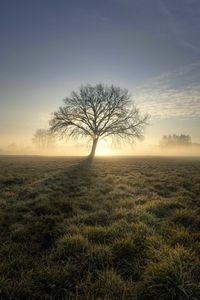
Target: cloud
pixel 190 46
pixel 174 94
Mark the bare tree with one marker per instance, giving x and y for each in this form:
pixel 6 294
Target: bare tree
pixel 99 112
pixel 43 139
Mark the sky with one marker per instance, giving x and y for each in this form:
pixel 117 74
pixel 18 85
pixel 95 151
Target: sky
pixel 50 47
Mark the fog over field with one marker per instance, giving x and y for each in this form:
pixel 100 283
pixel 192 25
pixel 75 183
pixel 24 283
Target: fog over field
pixel 104 149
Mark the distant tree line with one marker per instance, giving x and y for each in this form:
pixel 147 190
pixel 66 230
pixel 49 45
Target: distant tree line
pixel 43 139
pixel 175 140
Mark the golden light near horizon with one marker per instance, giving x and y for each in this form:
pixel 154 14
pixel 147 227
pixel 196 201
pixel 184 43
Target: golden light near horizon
pixel 104 148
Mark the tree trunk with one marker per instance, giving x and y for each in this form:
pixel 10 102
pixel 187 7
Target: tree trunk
pixel 94 145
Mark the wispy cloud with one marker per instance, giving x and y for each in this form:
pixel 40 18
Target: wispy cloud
pixel 175 94
pixel 190 46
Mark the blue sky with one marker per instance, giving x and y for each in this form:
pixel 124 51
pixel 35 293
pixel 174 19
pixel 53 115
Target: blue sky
pixel 48 48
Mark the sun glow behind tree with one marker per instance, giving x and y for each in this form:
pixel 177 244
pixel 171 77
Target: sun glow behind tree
pixel 98 113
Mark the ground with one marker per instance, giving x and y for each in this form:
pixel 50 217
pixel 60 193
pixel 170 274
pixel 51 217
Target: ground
pixel 123 228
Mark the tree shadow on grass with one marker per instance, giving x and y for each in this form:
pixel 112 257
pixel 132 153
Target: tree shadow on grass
pixel 65 183
pixel 43 208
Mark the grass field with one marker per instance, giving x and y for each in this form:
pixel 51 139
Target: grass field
pixel 124 228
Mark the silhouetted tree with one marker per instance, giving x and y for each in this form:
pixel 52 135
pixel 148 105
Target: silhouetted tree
pixel 98 112
pixel 43 139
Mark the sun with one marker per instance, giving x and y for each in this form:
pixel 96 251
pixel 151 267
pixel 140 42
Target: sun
pixel 103 148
